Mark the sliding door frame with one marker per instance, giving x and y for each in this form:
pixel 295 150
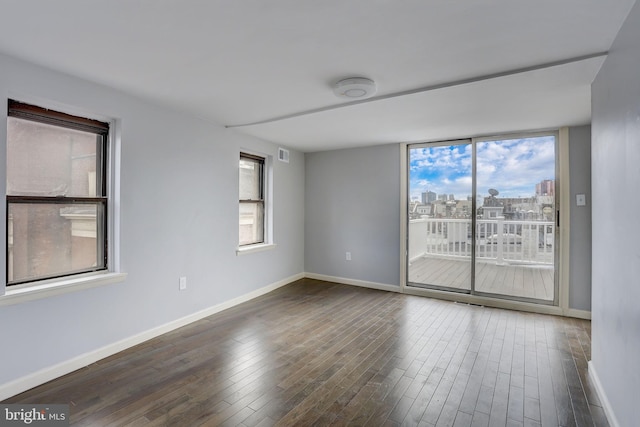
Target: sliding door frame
pixel 557 208
pixel 561 287
pixel 449 143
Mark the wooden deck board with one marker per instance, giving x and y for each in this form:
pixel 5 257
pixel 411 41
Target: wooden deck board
pixel 524 281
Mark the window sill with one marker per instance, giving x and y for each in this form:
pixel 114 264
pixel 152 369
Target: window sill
pixel 50 288
pixel 255 248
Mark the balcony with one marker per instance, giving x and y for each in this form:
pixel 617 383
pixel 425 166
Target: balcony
pixel 513 258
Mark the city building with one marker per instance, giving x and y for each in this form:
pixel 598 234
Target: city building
pixel 428 197
pixel 545 188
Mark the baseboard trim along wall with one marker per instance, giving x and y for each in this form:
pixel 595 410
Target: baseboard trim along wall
pixel 606 405
pixel 353 282
pixel 452 296
pixel 47 374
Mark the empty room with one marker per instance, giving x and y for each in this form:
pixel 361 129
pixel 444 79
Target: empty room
pixel 375 213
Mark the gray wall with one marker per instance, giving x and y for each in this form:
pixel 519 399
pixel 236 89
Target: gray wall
pixel 352 203
pixel 616 231
pixel 580 183
pixel 179 217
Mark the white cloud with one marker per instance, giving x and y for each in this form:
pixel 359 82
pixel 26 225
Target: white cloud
pixel 513 167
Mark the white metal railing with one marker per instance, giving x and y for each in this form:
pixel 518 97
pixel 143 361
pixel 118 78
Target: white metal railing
pixel 506 242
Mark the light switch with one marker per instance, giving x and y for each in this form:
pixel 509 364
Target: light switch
pixel 581 200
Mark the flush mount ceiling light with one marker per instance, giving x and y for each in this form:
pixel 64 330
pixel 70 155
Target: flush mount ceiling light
pixel 355 88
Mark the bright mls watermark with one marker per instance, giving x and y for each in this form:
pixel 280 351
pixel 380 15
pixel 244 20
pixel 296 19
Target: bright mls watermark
pixel 34 415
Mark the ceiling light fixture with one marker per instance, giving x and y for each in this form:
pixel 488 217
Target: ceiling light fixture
pixel 355 88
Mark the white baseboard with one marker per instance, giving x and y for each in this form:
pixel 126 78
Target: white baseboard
pixel 354 282
pixel 606 405
pixel 452 296
pixel 47 374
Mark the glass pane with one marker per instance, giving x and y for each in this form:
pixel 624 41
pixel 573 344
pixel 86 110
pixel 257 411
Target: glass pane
pixel 51 239
pixel 46 160
pixel 251 223
pixel 440 216
pixel 250 179
pixel 516 217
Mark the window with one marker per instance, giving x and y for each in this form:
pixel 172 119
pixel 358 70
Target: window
pixel 252 206
pixel 56 194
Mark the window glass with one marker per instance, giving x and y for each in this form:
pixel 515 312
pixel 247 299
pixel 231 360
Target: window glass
pixel 48 240
pixel 252 216
pixel 47 160
pixel 251 223
pixel 56 194
pixel 250 179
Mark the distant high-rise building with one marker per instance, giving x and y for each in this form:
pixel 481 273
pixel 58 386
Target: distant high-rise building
pixel 428 197
pixel 546 188
pixel 452 197
pixel 442 197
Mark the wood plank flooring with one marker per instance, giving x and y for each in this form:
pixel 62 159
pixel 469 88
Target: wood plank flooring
pixel 528 281
pixel 318 353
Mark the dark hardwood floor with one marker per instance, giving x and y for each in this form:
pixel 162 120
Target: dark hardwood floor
pixel 318 353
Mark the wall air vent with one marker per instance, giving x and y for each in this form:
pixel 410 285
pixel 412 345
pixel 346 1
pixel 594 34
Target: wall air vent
pixel 283 155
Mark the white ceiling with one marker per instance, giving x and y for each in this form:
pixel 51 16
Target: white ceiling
pixel 245 61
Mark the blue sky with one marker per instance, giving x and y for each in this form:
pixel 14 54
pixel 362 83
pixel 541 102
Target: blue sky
pixel 513 167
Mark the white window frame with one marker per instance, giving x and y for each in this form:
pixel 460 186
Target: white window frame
pixel 268 242
pixel 15 294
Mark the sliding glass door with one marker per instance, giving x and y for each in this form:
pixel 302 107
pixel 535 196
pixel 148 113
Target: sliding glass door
pixel 440 211
pixel 482 217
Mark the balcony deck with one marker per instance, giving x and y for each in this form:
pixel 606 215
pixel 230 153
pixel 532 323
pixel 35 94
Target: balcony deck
pixel 525 281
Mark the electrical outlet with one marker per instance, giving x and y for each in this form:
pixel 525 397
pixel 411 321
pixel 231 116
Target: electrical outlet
pixel 183 283
pixel 348 256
